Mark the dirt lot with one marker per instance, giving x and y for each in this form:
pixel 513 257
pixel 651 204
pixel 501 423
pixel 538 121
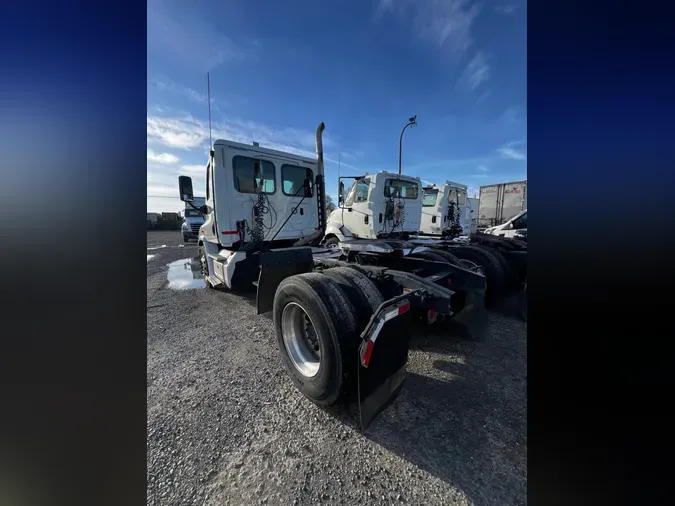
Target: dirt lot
pixel 226 426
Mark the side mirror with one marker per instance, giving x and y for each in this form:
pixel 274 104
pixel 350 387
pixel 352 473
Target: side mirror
pixel 341 193
pixel 185 187
pixel 204 210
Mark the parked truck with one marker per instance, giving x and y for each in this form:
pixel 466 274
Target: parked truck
pixel 340 314
pixel 446 211
pixel 192 219
pixel 377 206
pixel 499 203
pixel 388 206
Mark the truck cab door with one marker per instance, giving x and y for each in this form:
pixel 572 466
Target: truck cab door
pixel 355 210
pixel 297 185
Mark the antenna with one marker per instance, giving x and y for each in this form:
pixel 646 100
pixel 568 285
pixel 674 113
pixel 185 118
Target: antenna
pixel 339 162
pixel 208 92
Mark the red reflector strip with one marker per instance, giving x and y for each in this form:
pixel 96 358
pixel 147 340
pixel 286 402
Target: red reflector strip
pixel 229 232
pixel 396 312
pixel 366 356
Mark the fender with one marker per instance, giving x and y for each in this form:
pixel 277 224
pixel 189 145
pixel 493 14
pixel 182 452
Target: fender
pixel 334 229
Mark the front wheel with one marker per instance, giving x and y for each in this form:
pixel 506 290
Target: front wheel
pixel 332 242
pixel 204 266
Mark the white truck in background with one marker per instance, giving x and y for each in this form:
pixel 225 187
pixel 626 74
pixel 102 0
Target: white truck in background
pixel 446 210
pixel 192 220
pixel 377 206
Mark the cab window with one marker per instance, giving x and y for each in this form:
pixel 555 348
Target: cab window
pixel 253 175
pixel 358 192
pixel 430 197
pixel 396 188
pixel 293 179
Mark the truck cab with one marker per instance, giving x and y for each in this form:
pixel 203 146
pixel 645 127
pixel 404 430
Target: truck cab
pixel 376 206
pixel 254 195
pixel 192 219
pixel 446 210
pixel 515 227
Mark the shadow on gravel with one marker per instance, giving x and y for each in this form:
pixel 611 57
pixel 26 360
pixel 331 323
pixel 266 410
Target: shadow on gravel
pixel 455 431
pixel 511 307
pixel 465 426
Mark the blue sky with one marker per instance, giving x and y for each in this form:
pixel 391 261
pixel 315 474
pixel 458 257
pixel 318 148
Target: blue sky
pixel 362 66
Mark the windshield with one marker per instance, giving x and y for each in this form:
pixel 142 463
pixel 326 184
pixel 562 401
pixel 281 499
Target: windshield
pixel 429 199
pixel 400 188
pixel 192 213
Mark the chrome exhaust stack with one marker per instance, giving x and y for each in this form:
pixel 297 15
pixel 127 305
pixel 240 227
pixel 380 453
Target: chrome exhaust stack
pixel 320 188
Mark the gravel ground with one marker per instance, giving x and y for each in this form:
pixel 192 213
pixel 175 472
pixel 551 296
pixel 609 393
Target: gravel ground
pixel 226 426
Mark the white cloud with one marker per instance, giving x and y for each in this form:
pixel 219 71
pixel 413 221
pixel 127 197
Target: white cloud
pixel 505 9
pixel 482 168
pixel 484 96
pixel 197 169
pixel 166 85
pixel 477 71
pixel 511 151
pixel 447 23
pixel 162 157
pixel 189 133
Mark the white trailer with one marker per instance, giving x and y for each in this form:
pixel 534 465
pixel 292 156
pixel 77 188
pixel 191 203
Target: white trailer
pixel 473 206
pixel 501 202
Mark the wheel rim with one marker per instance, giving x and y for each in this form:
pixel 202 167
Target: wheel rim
pixel 300 340
pixel 205 266
pixel 332 245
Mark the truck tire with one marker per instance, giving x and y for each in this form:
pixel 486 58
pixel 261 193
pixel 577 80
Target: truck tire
pixel 429 255
pixel 510 275
pixel 522 245
pixel 494 273
pixel 317 336
pixel 332 242
pixel 204 265
pixel 449 257
pixel 360 290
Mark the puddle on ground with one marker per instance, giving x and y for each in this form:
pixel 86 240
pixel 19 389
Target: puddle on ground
pixel 185 274
pixel 150 256
pixel 157 247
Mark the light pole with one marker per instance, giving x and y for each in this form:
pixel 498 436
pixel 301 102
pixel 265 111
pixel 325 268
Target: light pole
pixel 411 121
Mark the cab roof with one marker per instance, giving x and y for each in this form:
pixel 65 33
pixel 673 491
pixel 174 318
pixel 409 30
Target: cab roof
pixel 263 151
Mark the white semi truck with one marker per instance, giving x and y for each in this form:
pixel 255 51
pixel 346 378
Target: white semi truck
pixel 340 314
pixel 192 219
pixel 446 211
pixel 377 206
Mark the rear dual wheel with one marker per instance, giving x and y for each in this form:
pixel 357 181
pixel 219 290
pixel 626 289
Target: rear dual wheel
pixel 318 319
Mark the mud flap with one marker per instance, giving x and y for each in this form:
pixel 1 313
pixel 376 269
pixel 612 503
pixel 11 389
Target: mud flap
pixel 474 316
pixel 381 382
pixel 522 302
